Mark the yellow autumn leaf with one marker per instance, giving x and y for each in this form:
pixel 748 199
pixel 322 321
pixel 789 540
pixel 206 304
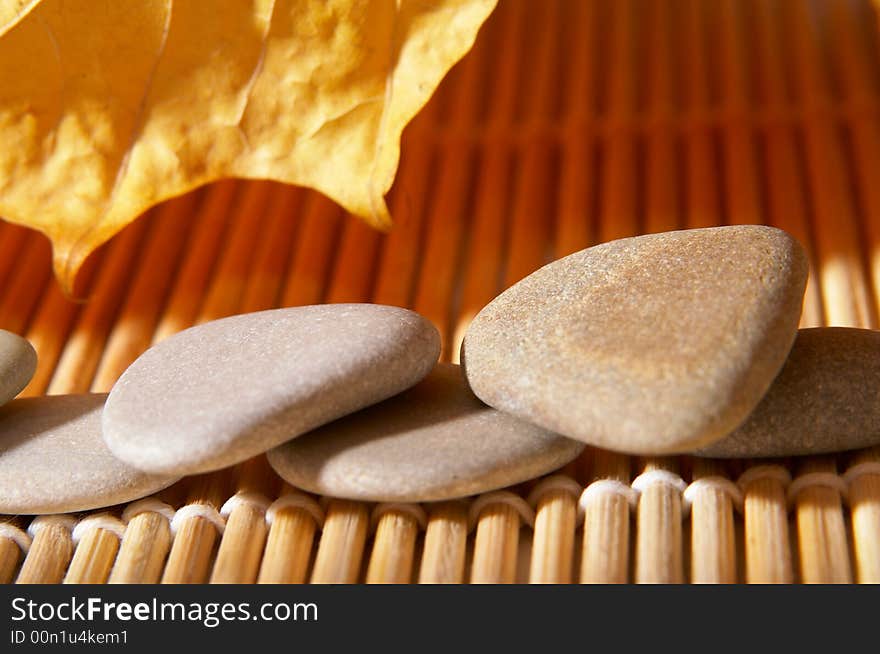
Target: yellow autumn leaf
pixel 108 107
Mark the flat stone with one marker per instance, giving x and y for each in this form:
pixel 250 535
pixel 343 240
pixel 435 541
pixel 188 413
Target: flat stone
pixel 18 362
pixel 53 459
pixel 649 345
pixel 222 392
pixel 824 400
pixel 436 441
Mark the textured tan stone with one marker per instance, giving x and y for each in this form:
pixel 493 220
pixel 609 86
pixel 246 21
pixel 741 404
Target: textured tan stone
pixel 651 345
pixel 53 459
pixel 224 391
pixel 825 399
pixel 18 361
pixel 435 441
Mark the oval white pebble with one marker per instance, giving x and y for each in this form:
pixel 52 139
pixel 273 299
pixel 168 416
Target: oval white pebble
pixel 224 391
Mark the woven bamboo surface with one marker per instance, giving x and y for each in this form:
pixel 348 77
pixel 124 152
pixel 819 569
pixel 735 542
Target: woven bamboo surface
pixel 571 123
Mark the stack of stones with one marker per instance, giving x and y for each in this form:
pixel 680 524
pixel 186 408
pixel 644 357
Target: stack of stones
pixel 682 342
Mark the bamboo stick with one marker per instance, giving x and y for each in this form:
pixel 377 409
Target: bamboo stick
pixel 864 502
pixel 484 250
pixel 619 211
pixel 49 554
pixel 496 543
pixel 659 557
pixel 856 72
pixel 787 201
pixel 210 232
pixel 577 184
pixel 142 551
pixel 824 553
pixel 50 328
pixel 445 548
pixel 342 543
pixel 844 285
pixel 555 502
pixel 192 549
pixel 10 549
pixel 289 545
pixel 82 352
pixel 713 540
pixel 742 193
pixel 139 315
pixel 94 555
pixel 663 211
pixel 26 284
pixel 12 241
pixel 241 547
pixel 533 212
pixel 391 561
pixel 768 550
pixel 605 549
pixel 313 253
pixel 702 201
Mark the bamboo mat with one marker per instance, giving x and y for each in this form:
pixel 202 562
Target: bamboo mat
pixel 571 123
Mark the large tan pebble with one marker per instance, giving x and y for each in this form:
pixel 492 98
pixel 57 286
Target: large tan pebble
pixel 435 441
pixel 650 345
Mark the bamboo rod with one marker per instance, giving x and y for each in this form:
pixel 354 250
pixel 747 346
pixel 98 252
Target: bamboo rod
pixel 844 284
pixel 192 549
pixel 12 242
pixel 864 502
pixel 50 328
pixel 553 542
pixel 210 232
pixel 605 549
pixel 824 553
pixel 702 201
pixel 25 286
pixel 484 250
pixel 713 540
pixel 394 544
pixel 289 545
pixel 496 545
pixel 82 352
pixel 48 556
pixel 619 211
pixel 663 212
pixel 768 550
pixel 577 170
pixel 241 547
pixel 659 557
pixel 533 211
pixel 445 548
pixel 143 549
pixel 787 201
pixel 10 554
pixel 342 543
pixel 149 288
pixel 742 193
pixel 313 252
pixel 856 71
pixel 93 558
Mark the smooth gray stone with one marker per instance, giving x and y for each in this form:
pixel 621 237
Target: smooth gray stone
pixel 53 459
pixel 224 391
pixel 18 362
pixel 825 399
pixel 436 441
pixel 649 345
